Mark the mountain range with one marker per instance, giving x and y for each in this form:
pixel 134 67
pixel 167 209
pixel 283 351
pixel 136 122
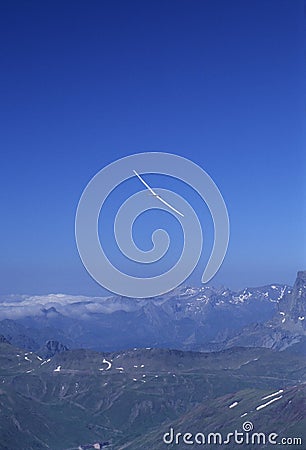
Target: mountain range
pixel 189 318
pixel 239 360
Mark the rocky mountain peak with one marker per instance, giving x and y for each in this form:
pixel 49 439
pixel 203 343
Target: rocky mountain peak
pixel 52 311
pixel 300 282
pixel 294 301
pixel 51 348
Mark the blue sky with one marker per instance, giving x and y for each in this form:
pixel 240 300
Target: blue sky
pixel 85 83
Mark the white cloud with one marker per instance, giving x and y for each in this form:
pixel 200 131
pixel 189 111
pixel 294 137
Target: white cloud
pixel 68 305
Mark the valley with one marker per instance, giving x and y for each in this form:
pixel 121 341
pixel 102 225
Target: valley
pixel 218 361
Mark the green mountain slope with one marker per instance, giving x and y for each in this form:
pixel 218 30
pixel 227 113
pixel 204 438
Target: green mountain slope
pixel 132 398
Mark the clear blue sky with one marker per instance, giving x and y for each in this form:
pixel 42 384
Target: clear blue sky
pixel 84 83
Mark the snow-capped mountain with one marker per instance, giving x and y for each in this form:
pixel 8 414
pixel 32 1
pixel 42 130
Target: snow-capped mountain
pixel 285 328
pixel 201 318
